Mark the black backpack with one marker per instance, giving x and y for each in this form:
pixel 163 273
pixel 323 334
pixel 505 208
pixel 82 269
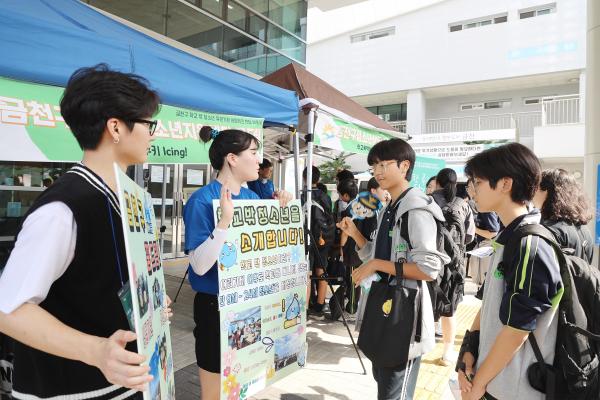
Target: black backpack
pixel 322 221
pixel 447 290
pixel 573 374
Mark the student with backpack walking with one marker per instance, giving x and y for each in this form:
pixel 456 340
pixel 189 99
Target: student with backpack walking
pixel 404 263
pixel 522 289
pixel 459 222
pixel 234 154
pixel 322 228
pixel 565 212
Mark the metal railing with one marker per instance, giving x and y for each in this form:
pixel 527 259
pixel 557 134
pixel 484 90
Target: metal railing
pixel 560 110
pixel 400 126
pixel 557 110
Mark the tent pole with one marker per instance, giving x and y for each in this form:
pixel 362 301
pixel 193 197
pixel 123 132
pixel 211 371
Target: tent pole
pixel 163 206
pixel 279 172
pixel 309 159
pixel 296 139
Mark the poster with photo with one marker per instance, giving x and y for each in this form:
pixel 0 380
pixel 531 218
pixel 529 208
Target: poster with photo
pixel 263 278
pixel 147 298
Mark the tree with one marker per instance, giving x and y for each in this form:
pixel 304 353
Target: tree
pixel 330 168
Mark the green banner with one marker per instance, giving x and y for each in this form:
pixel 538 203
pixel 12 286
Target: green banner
pixel 425 168
pixel 334 133
pixel 32 129
pixel 263 277
pixel 146 309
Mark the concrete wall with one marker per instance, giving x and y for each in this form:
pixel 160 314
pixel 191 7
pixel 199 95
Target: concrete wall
pixel 423 53
pixel 448 107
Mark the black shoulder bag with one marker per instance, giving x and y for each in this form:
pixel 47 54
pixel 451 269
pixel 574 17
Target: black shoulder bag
pixel 389 322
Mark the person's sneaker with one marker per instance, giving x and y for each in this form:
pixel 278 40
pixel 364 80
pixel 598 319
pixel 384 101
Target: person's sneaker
pixel 447 360
pixel 314 314
pixel 438 330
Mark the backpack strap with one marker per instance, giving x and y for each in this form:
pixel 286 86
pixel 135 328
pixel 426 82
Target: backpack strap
pixel 550 375
pixel 514 242
pixel 405 236
pixel 404 229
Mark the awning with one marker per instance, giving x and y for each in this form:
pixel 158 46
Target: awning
pixel 44 41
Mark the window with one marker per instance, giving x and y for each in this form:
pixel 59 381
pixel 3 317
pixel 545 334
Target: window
pixel 485 105
pixel 361 37
pixel 390 112
pixel 471 106
pixel 477 22
pixel 488 105
pixel 537 11
pixel 529 101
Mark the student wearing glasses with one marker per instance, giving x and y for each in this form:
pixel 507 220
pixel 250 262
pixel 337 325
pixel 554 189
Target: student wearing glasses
pixel 59 290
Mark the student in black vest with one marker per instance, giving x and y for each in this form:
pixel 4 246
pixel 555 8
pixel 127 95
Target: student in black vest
pixel 59 291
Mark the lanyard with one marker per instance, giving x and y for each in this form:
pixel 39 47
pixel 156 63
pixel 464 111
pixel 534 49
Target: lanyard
pixel 114 236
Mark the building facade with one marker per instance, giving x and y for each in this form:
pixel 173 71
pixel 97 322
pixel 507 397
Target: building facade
pixel 259 36
pixel 485 71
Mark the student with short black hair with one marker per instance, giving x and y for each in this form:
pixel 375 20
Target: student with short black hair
pixel 347 190
pixel 416 257
pixel 263 186
pixel 456 211
pixel 343 174
pixel 565 211
pixel 59 292
pixel 234 154
pixel 520 296
pixel 322 229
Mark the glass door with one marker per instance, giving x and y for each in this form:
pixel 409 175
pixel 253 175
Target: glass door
pixel 177 182
pixel 160 181
pixel 191 178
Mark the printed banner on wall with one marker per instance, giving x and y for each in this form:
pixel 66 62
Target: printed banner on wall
pixel 425 168
pixel 263 277
pixel 32 129
pixel 148 305
pixel 453 153
pixel 337 134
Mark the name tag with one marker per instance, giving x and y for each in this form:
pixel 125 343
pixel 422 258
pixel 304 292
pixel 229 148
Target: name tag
pixel 401 247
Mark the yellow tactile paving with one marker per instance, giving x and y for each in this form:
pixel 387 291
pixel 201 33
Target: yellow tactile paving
pixel 433 378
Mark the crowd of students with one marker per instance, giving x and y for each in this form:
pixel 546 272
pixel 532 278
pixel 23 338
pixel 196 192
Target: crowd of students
pixel 59 295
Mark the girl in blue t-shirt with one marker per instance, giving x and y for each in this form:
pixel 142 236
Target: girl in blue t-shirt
pixel 234 154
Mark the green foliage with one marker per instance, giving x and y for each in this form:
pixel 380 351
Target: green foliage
pixel 330 168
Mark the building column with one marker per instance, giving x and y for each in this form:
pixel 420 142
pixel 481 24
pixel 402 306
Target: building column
pixel 592 105
pixel 415 112
pixel 582 93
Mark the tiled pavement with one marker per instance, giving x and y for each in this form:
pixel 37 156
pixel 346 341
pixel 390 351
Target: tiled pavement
pixel 333 370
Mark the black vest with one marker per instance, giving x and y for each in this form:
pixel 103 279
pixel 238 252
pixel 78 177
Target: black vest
pixel 85 297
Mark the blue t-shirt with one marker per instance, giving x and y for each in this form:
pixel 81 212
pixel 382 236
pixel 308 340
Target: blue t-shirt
pixel 263 190
pixel 199 225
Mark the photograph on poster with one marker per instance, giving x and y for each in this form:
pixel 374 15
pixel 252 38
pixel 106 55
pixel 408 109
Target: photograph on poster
pixel 245 328
pixel 287 350
pixel 143 294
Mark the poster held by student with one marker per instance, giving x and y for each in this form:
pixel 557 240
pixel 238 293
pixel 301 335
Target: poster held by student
pixel 263 277
pixel 145 298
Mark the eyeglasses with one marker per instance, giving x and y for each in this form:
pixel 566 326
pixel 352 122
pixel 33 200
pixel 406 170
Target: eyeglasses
pixel 382 166
pixel 151 124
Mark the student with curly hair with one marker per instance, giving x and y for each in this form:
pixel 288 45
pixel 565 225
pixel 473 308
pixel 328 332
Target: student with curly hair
pixel 565 211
